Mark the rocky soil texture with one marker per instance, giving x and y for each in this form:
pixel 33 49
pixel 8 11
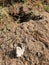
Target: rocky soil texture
pixel 24 34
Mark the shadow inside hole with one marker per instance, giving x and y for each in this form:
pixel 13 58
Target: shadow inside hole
pixel 19 1
pixel 12 53
pixel 24 17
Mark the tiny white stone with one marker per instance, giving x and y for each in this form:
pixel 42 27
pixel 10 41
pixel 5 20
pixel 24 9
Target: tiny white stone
pixel 20 51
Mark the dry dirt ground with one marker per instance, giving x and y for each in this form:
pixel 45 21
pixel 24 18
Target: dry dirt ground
pixel 33 34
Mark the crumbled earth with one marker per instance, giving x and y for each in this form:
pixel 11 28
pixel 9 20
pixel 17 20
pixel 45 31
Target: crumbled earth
pixel 32 33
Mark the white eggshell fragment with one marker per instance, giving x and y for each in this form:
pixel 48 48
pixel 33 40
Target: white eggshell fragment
pixel 20 51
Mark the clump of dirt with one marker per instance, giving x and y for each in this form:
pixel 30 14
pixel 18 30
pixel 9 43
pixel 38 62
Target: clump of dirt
pixel 26 42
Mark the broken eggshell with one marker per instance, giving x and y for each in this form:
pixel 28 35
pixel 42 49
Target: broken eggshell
pixel 20 51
